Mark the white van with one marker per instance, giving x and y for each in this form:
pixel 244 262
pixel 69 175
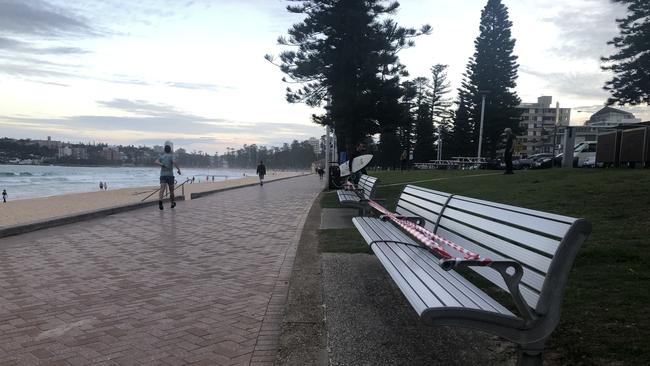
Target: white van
pixel 584 154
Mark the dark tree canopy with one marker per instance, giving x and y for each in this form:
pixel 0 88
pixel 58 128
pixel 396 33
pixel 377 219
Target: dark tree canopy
pixel 440 103
pixel 491 70
pixel 424 149
pixel 345 52
pixel 297 155
pixel 631 64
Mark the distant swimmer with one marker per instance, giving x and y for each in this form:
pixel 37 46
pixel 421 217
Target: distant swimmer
pixel 101 186
pixel 4 195
pixel 167 164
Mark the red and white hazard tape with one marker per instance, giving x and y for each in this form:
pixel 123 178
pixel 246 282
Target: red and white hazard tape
pixel 428 238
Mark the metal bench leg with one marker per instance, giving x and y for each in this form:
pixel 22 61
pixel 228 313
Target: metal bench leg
pixel 531 354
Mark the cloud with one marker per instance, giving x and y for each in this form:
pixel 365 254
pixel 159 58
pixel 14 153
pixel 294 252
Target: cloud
pixel 29 29
pixel 586 85
pixel 41 19
pixel 29 70
pixel 183 141
pixel 145 108
pixel 47 83
pixel 197 86
pixel 14 45
pixel 585 28
pixel 161 120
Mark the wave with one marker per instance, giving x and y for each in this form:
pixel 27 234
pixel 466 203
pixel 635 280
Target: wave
pixel 14 174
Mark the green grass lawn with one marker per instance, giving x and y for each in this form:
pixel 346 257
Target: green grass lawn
pixel 604 318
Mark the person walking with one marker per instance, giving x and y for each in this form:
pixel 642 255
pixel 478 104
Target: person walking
pixel 261 172
pixel 510 147
pixel 321 172
pixel 403 160
pixel 167 164
pixel 4 196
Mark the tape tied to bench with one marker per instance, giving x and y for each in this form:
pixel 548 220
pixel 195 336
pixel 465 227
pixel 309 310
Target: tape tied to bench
pixel 431 240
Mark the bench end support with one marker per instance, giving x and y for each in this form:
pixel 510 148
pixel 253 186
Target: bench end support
pixel 531 354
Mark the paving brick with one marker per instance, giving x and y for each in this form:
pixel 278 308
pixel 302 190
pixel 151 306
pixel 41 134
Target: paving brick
pixel 205 283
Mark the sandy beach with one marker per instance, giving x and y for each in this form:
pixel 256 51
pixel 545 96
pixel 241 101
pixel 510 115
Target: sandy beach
pixel 26 211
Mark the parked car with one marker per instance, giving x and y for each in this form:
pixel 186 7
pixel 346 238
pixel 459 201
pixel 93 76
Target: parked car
pixel 529 162
pixel 544 162
pixel 535 160
pixel 521 163
pixel 584 155
pixel 585 152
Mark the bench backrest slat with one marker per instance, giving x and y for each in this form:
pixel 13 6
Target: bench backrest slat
pixel 501 232
pixel 550 216
pixel 422 202
pixel 527 220
pixel 498 228
pixel 368 184
pixel 498 247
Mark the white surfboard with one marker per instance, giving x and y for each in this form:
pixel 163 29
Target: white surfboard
pixel 357 164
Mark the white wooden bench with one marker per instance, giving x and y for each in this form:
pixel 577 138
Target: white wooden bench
pixel 532 253
pixel 359 198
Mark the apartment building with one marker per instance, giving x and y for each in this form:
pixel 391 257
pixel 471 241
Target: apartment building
pixel 538 125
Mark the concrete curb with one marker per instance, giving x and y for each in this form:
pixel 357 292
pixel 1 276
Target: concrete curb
pixel 303 338
pixel 69 219
pixel 206 193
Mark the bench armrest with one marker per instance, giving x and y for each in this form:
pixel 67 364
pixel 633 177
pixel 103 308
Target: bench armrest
pixel 511 272
pixel 415 219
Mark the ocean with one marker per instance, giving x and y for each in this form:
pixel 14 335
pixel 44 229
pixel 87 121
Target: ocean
pixel 30 181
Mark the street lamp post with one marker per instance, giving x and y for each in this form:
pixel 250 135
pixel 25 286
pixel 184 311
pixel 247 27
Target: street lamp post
pixel 480 133
pixel 557 123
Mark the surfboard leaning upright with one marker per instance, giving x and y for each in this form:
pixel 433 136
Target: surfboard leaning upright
pixel 358 163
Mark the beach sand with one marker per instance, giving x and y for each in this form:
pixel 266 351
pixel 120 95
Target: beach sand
pixel 21 212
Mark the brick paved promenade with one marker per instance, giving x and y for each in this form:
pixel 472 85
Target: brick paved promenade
pixel 204 284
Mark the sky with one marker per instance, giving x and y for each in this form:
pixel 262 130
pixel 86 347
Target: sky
pixel 193 71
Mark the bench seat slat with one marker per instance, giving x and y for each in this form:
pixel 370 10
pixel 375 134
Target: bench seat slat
pixel 557 229
pixel 415 284
pixel 458 285
pixel 419 295
pixel 541 243
pixel 347 196
pixel 419 272
pixel 530 278
pixel 383 230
